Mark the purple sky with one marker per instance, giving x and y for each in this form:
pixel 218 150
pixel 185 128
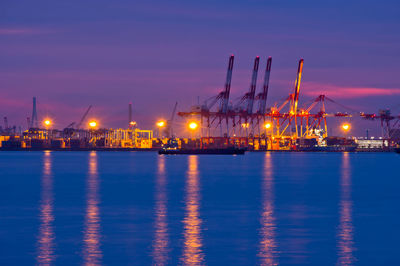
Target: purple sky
pixel 152 53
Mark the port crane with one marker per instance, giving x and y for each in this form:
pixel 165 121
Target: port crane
pixel 168 128
pixel 79 125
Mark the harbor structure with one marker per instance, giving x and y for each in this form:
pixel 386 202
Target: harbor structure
pixel 219 122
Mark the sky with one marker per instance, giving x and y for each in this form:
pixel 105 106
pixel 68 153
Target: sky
pixel 72 54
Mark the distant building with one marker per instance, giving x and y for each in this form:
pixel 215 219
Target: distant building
pixel 372 143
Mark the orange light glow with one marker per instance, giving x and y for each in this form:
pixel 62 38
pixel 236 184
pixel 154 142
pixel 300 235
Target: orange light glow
pixel 92 124
pixel 268 125
pixel 346 127
pixel 193 125
pixel 47 122
pixel 192 223
pixel 92 253
pixel 132 123
pixel 160 123
pixel 245 125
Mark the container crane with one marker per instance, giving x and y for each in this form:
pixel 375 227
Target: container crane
pixel 296 94
pixel 297 87
pixel 262 97
pixel 249 96
pixel 168 128
pixel 253 85
pixel 78 126
pixel 225 94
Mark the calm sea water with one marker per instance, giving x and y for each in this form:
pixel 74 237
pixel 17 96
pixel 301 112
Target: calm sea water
pixel 140 208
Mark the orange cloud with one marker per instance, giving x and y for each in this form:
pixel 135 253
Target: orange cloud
pixel 312 89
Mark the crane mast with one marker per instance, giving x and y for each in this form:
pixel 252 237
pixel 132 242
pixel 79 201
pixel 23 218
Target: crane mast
pixel 169 130
pixel 83 117
pixel 264 94
pixel 227 89
pixel 253 85
pixel 297 87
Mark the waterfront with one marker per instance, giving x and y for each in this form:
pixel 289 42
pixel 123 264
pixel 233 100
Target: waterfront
pixel 141 208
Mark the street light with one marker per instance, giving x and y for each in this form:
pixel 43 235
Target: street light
pixel 267 125
pixel 92 124
pixel 193 125
pixel 161 123
pixel 346 127
pixel 47 122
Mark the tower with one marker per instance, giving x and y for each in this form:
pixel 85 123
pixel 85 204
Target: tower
pixel 34 119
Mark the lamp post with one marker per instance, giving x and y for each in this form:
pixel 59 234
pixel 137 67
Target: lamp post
pixel 268 137
pixel 160 124
pixel 267 126
pixel 346 128
pixel 92 124
pixel 193 126
pixel 92 127
pixel 47 124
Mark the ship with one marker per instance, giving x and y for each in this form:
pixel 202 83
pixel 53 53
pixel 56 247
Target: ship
pixel 221 151
pixel 172 147
pixel 331 144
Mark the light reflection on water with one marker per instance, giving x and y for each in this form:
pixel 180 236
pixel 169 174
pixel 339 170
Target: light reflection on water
pixel 92 253
pixel 267 249
pixel 160 242
pixel 192 246
pixel 288 222
pixel 46 237
pixel 345 242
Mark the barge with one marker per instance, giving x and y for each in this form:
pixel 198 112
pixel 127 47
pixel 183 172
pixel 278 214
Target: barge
pixel 222 151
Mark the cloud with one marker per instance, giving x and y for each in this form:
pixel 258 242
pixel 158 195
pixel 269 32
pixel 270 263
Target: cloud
pixel 344 92
pixel 21 31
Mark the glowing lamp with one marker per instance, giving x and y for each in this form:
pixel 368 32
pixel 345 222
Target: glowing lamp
pixel 193 125
pixel 92 124
pixel 268 125
pixel 160 123
pixel 346 127
pixel 245 125
pixel 47 122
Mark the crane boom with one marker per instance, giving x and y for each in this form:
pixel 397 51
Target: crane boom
pixel 173 112
pixel 168 129
pixel 83 117
pixel 253 85
pixel 226 92
pixel 297 87
pixel 264 94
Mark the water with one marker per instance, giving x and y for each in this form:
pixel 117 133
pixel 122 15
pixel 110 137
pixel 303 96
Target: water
pixel 119 208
